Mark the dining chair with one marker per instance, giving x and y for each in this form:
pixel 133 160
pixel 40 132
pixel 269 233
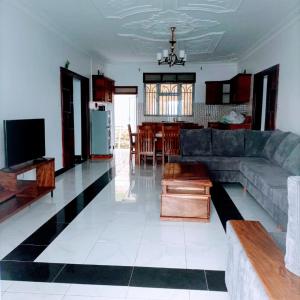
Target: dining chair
pixel 170 141
pixel 146 144
pixel 132 142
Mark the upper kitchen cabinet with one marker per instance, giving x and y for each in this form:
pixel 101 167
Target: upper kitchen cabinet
pixel 217 92
pixel 103 88
pixel 233 91
pixel 240 88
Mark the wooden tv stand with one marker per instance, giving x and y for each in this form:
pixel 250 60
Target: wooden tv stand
pixel 17 193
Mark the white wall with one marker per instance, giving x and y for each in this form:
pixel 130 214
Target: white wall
pixel 132 74
pixel 282 48
pixel 30 58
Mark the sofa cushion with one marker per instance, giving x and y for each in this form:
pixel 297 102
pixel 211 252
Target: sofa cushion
pixel 195 142
pixel 255 141
pixel 228 142
pixel 265 176
pixel 285 148
pixel 292 163
pixel 219 163
pixel 272 143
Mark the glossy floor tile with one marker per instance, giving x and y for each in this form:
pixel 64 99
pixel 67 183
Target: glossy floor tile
pixel 249 207
pixel 101 237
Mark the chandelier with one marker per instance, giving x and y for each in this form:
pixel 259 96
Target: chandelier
pixel 169 57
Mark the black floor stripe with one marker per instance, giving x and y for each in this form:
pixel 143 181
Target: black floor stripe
pixel 168 278
pixel 18 265
pixel 114 275
pixel 43 236
pixel 225 207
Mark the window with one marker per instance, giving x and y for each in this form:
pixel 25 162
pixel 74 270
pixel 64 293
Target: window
pixel 169 99
pixel 169 94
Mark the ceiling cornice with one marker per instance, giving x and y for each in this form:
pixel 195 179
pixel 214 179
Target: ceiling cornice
pixel 291 18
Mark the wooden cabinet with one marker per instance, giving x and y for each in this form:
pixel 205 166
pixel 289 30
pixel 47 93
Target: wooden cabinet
pixel 240 88
pixel 16 193
pixel 103 88
pixel 213 92
pixel 233 91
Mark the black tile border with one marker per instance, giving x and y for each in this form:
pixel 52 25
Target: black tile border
pixel 167 278
pixel 45 235
pixel 19 265
pixel 225 207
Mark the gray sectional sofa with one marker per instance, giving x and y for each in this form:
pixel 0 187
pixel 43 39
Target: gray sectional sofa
pixel 260 160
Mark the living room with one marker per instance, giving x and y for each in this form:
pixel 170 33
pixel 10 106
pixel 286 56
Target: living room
pixel 93 224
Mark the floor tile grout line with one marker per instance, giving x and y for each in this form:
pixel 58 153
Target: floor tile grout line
pixel 136 256
pixel 206 279
pixel 58 273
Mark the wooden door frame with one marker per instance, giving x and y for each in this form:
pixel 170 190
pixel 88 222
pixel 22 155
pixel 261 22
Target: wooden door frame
pixel 272 96
pixel 85 115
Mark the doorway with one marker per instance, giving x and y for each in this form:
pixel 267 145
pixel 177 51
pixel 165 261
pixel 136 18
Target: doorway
pixel 75 117
pixel 125 113
pixel 265 92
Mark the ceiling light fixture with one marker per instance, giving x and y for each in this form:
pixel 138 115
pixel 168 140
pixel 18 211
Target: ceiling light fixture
pixel 169 57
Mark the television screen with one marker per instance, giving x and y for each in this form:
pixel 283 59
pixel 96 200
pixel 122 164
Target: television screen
pixel 24 140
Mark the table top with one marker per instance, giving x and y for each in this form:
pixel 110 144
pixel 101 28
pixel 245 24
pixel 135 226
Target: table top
pixel 179 172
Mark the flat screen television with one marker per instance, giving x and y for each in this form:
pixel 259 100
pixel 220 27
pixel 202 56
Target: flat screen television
pixel 24 140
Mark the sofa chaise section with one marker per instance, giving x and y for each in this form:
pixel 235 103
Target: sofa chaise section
pixel 260 160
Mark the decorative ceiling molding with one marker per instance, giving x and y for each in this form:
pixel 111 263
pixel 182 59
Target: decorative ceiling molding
pixel 207 44
pixel 116 9
pixel 196 46
pixel 158 25
pixel 214 6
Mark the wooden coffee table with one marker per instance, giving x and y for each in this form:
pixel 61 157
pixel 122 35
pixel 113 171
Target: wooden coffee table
pixel 185 192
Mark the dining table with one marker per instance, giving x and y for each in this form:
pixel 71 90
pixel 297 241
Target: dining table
pixel 157 128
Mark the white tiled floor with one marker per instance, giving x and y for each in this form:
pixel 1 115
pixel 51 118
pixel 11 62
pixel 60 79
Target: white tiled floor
pixel 121 226
pixel 40 291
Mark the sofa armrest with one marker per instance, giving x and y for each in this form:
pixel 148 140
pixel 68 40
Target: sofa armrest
pixel 255 267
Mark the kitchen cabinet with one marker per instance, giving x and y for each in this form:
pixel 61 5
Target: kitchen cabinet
pixel 103 88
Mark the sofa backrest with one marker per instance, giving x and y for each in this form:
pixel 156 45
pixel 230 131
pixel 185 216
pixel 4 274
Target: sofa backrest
pixel 292 163
pixel 228 142
pixel 272 143
pixel 285 148
pixel 282 148
pixel 195 142
pixel 255 141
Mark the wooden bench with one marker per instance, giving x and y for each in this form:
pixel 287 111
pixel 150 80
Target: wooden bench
pixel 267 261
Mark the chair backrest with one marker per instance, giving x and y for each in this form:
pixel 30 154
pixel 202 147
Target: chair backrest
pixel 146 140
pixel 170 140
pixel 130 135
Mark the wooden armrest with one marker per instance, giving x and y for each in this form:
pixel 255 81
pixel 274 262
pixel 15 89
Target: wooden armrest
pixel 267 260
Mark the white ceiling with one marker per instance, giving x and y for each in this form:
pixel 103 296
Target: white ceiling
pixel 135 30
